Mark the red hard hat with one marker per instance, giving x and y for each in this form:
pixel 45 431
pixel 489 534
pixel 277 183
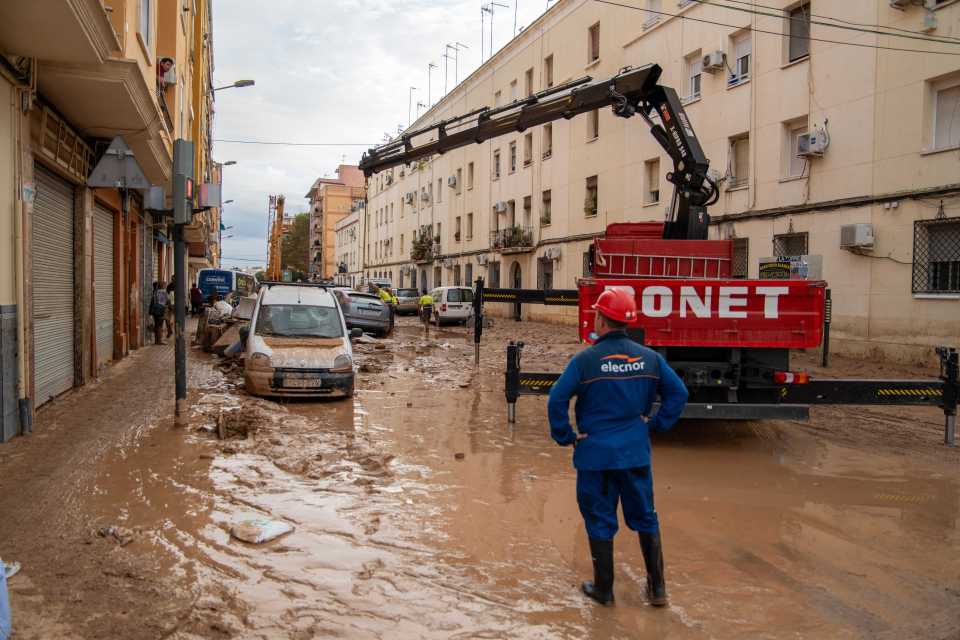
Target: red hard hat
pixel 617 304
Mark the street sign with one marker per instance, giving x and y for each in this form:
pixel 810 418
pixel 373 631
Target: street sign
pixel 118 169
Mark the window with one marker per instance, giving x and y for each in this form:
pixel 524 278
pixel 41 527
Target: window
pixel 790 244
pixel 544 273
pixel 469 226
pixel 497 98
pixel 741 47
pixel 593 125
pixel 146 13
pixel 653 13
pixel 740 267
pixel 547 141
pixel 694 66
pixel 468 273
pixel 456 282
pixel 651 178
pixel 528 82
pixel 545 208
pixel 587 267
pixel 459 187
pixel 493 275
pixel 946 117
pixel 936 256
pixel 456 233
pixel 593 43
pixel 527 149
pixel 527 210
pixel 739 169
pixel 401 243
pixel 591 196
pixel 391 212
pixel 496 164
pixel 548 72
pixel 430 192
pixel 798 28
pixel 512 212
pixel 439 189
pixel 513 157
pixel 794 165
pixel 513 91
pixel 470 175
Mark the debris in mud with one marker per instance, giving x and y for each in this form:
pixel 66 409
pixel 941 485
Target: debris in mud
pixel 459 456
pixel 260 530
pixel 120 535
pixel 371 367
pixel 237 424
pixel 379 345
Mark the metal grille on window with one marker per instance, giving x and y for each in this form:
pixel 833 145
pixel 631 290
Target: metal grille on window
pixel 936 256
pixel 790 244
pixel 741 258
pixel 544 273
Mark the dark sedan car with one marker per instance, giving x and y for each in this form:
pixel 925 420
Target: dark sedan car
pixel 365 311
pixel 407 301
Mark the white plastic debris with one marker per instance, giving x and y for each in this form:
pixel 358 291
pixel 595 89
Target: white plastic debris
pixel 260 530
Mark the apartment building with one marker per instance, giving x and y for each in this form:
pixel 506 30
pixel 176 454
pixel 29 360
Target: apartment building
pixel 331 200
pixel 349 243
pixel 78 263
pixel 521 210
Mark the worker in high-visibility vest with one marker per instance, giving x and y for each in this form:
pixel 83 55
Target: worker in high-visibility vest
pixel 616 382
pixel 425 305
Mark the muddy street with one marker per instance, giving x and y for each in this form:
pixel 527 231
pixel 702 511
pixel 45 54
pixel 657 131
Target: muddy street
pixel 419 512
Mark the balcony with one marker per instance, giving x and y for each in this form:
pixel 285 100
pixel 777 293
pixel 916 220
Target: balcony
pixel 422 251
pixel 512 240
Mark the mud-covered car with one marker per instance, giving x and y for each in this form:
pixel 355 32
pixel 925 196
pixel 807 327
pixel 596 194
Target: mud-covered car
pixel 408 301
pixel 366 311
pixel 298 344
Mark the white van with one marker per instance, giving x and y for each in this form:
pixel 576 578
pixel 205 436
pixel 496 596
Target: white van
pixel 452 304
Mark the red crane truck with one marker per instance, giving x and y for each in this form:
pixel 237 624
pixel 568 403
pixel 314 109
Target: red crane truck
pixel 728 338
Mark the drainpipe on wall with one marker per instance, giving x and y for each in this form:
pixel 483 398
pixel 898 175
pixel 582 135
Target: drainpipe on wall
pixel 23 401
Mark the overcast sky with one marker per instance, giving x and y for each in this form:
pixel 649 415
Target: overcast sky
pixel 328 71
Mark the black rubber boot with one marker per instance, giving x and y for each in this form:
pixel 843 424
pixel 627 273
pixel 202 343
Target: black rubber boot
pixel 653 558
pixel 601 589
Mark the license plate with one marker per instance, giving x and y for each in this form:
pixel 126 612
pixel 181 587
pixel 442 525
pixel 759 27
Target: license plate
pixel 370 312
pixel 303 383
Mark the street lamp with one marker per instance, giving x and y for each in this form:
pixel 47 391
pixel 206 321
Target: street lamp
pixel 228 163
pixel 238 84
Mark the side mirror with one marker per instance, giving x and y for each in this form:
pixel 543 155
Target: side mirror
pixel 356 332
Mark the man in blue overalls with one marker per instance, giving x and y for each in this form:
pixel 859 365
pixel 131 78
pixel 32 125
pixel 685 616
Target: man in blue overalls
pixel 616 382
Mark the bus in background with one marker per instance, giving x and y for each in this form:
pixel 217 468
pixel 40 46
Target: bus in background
pixel 225 283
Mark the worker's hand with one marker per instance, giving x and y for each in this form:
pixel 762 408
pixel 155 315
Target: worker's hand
pixel 645 418
pixel 580 437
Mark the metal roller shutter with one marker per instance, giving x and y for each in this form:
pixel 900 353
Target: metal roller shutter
pixel 103 281
pixel 52 264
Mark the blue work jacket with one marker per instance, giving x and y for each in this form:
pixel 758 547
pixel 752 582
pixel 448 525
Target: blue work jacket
pixel 616 382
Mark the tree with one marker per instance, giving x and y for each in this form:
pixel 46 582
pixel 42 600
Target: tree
pixel 295 247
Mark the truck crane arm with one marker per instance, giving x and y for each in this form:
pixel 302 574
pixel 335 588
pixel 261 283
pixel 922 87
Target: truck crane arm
pixel 632 91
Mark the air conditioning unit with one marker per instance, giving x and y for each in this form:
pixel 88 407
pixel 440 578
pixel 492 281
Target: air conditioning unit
pixel 483 259
pixel 812 145
pixel 448 263
pixel 714 61
pixel 552 253
pixel 402 172
pixel 389 178
pixel 425 196
pixel 856 236
pixel 500 207
pixel 408 197
pixel 452 182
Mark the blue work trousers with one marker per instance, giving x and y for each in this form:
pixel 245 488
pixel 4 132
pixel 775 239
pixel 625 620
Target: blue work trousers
pixel 599 492
pixel 5 616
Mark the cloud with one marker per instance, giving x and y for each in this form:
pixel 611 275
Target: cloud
pixel 332 71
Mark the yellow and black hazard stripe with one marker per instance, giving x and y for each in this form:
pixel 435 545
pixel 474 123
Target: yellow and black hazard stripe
pixel 527 382
pixel 888 393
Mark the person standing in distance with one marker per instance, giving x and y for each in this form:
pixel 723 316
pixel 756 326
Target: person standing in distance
pixel 616 382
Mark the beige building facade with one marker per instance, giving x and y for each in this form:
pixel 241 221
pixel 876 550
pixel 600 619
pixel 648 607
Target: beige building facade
pixel 521 210
pixel 331 200
pixel 78 263
pixel 349 251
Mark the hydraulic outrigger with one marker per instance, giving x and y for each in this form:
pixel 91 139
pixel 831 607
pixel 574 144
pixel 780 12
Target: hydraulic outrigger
pixel 729 378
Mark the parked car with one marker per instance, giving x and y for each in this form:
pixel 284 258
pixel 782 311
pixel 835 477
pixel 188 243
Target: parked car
pixel 452 304
pixel 365 311
pixel 298 344
pixel 407 301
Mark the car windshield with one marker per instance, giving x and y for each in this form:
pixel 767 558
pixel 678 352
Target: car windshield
pixel 407 293
pixel 299 321
pixel 459 295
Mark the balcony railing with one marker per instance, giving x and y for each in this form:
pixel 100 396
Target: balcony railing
pixel 162 101
pixel 512 239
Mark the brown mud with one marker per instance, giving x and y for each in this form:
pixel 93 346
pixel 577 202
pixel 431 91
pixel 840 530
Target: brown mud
pixel 419 512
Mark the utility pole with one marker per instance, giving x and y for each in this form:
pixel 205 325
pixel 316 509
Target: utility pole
pixel 182 216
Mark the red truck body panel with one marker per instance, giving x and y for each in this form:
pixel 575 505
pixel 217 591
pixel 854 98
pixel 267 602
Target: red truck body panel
pixel 706 312
pixel 636 250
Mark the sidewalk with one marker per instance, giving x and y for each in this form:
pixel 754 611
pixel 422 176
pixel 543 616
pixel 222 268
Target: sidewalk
pixel 71 584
